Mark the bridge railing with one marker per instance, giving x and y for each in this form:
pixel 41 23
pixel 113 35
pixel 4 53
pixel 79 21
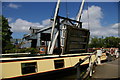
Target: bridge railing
pixel 89 70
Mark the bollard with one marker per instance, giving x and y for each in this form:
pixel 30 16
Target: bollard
pixel 116 53
pixel 90 65
pixel 98 55
pixel 99 60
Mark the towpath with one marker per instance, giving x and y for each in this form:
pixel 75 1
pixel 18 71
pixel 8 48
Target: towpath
pixel 109 70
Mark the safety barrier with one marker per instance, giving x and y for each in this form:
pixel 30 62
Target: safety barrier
pixel 89 71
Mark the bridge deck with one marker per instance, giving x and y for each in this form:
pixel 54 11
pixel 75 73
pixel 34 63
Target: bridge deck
pixel 108 70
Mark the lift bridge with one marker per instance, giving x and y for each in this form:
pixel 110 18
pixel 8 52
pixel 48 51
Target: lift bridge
pixel 64 36
pixel 70 39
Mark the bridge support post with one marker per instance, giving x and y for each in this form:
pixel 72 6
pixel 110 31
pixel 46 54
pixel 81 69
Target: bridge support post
pixel 78 73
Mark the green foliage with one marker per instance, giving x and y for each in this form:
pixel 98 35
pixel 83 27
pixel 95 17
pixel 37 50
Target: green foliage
pixel 112 42
pixel 23 50
pixel 6 35
pixel 107 42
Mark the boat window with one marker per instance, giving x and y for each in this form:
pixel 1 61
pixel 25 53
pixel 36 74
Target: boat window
pixel 59 63
pixel 29 67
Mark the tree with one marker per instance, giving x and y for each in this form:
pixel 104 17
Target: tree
pixel 95 42
pixel 6 35
pixel 107 42
pixel 112 41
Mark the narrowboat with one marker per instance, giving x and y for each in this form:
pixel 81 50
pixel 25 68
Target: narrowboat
pixel 63 47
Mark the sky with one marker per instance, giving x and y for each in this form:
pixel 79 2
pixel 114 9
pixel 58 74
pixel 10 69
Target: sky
pixel 101 18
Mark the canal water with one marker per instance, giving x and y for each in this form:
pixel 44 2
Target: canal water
pixel 70 74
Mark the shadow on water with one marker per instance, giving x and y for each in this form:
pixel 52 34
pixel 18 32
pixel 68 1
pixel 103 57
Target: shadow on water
pixel 69 74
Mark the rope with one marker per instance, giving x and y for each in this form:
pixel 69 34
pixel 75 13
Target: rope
pixel 88 17
pixel 53 11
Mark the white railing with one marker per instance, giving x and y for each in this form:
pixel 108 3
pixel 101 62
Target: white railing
pixel 89 71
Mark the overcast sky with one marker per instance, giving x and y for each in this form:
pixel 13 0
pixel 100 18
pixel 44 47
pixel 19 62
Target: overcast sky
pixel 102 17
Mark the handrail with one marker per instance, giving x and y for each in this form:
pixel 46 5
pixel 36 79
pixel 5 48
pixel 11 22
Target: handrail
pixel 89 69
pixel 81 61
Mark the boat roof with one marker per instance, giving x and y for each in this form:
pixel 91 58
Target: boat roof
pixel 19 57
